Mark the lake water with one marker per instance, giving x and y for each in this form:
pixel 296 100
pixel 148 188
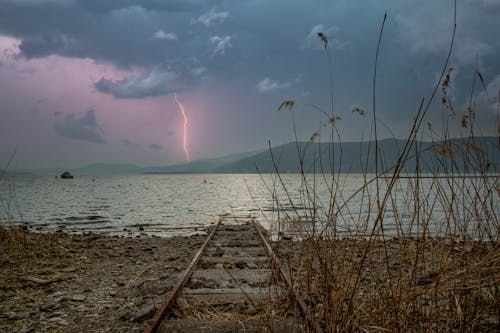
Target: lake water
pixel 167 205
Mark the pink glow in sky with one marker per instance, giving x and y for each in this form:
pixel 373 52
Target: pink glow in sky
pixel 63 86
pixel 94 81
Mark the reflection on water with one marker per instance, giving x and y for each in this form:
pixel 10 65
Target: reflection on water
pixel 168 205
pixel 156 204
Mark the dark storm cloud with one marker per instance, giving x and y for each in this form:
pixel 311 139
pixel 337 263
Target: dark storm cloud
pixel 258 45
pixel 84 128
pixel 155 146
pixel 226 38
pixel 45 44
pixel 162 5
pixel 154 83
pixel 119 32
pixel 129 143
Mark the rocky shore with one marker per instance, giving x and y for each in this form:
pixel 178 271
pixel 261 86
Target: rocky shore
pixel 86 283
pixel 98 283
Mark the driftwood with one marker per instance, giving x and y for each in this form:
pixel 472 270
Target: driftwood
pixel 52 279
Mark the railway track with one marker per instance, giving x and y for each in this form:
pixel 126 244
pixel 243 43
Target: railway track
pixel 233 284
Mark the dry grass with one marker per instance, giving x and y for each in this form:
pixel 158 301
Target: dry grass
pixel 403 284
pixel 417 252
pixel 16 242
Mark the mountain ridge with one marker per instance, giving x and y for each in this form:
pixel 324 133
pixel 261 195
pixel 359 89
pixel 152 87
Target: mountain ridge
pixel 345 157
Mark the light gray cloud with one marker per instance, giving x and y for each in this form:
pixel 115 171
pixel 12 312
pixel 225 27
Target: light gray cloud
pixel 153 83
pixel 490 99
pixel 312 41
pixel 199 71
pixel 221 44
pixel 211 17
pixel 486 6
pixel 469 48
pixel 267 85
pixel 160 34
pixel 83 128
pixel 413 31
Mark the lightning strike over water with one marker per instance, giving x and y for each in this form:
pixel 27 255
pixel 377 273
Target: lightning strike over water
pixel 185 146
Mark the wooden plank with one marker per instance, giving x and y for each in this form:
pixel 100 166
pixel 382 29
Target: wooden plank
pixel 284 325
pixel 195 297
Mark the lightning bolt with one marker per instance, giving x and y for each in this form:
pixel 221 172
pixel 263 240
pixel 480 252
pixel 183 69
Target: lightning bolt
pixel 185 145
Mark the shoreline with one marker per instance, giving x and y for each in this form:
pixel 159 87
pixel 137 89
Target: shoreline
pixel 64 282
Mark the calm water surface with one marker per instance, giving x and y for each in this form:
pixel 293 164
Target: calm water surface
pixel 156 204
pixel 167 205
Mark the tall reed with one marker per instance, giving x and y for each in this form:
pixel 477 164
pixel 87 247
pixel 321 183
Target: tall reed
pixel 416 246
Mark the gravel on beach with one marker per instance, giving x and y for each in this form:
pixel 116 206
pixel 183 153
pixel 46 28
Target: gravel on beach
pixel 86 283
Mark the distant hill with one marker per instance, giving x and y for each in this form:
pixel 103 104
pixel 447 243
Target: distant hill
pixel 211 165
pixel 92 169
pixel 107 169
pixel 356 157
pixel 346 157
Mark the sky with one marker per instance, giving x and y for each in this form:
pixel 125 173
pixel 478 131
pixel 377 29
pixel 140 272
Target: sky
pixel 94 81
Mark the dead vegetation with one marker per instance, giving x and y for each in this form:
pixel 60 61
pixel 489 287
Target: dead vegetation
pixel 406 252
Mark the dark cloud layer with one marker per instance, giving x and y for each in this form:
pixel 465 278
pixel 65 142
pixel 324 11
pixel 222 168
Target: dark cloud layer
pixel 234 62
pixel 149 84
pixel 246 39
pixel 155 146
pixel 161 5
pixel 84 128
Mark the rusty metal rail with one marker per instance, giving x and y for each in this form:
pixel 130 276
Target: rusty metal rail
pixel 278 272
pixel 306 311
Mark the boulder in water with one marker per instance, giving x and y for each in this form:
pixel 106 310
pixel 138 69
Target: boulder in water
pixel 66 175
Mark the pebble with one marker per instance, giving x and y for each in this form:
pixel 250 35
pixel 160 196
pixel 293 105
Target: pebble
pixel 211 284
pixel 251 310
pixel 28 329
pixel 54 314
pixel 78 298
pixel 138 283
pixel 13 316
pixel 58 294
pixel 182 303
pixel 240 264
pixel 53 304
pixel 58 320
pixel 126 315
pixel 145 312
pixel 218 252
